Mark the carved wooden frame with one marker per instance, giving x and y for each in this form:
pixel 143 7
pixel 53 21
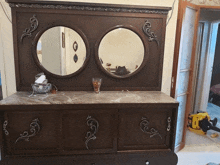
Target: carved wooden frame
pixel 146 77
pixel 34 48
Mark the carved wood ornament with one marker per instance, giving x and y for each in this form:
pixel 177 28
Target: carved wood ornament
pixel 94 125
pixel 144 128
pixel 35 128
pixel 28 31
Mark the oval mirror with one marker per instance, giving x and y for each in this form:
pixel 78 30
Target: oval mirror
pixel 61 51
pixel 121 52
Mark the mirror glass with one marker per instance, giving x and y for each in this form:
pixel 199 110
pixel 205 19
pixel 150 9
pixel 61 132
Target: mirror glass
pixel 61 50
pixel 121 52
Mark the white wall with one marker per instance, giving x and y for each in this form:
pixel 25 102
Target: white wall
pixel 6 50
pixel 206 2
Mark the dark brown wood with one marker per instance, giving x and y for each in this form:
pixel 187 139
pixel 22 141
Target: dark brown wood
pixel 132 136
pixel 97 24
pixel 88 4
pixel 74 142
pixel 45 141
pixel 94 132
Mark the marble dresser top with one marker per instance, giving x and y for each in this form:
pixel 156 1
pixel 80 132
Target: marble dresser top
pixel 88 97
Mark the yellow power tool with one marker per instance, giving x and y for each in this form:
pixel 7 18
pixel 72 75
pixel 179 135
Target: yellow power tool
pixel 201 122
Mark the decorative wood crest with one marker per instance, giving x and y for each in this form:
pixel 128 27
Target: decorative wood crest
pixel 94 125
pixel 144 128
pixel 28 31
pixel 34 129
pixel 90 8
pixel 4 127
pixel 147 30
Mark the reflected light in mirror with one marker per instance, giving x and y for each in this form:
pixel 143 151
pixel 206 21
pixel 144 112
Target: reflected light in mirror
pixel 61 50
pixel 121 52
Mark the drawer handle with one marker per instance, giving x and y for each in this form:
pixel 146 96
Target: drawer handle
pixel 169 124
pixel 35 128
pixel 144 128
pixel 94 125
pixel 147 162
pixel 4 127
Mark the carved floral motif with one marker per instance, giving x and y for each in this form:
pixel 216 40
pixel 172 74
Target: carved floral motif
pixel 147 30
pixel 28 31
pixel 34 129
pixel 94 125
pixel 144 128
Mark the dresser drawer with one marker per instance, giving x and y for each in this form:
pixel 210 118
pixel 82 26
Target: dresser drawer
pixel 144 129
pixel 89 131
pixel 33 132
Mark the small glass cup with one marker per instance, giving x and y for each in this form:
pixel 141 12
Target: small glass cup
pixel 96 84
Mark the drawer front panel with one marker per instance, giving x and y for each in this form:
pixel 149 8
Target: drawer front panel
pixel 32 132
pixel 89 131
pixel 144 129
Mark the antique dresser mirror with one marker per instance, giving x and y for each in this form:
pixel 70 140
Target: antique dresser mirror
pixel 61 55
pixel 61 51
pixel 122 52
pixel 130 121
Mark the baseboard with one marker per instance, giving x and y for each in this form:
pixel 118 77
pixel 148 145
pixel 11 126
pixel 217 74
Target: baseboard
pixel 179 147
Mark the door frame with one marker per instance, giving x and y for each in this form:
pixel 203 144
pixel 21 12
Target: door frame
pixel 209 63
pixel 181 12
pixel 191 87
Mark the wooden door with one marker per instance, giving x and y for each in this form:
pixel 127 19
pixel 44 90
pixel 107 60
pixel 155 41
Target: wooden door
pixel 32 132
pixel 145 129
pixel 183 68
pixel 89 131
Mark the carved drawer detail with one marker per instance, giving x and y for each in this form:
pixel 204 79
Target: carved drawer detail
pixel 34 129
pixel 94 125
pixel 87 134
pixel 144 125
pixel 144 129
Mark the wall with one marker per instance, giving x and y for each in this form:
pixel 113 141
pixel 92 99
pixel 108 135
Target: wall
pixel 6 51
pixel 206 2
pixel 51 50
pixel 169 42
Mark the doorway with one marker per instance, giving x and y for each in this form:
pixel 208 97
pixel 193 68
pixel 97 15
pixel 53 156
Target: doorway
pixel 207 94
pixel 206 18
pixel 213 107
pixel 207 85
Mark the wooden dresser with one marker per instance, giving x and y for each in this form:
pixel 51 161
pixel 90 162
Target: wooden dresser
pixel 130 122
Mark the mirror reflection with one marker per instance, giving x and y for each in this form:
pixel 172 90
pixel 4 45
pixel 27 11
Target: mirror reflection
pixel 121 52
pixel 61 50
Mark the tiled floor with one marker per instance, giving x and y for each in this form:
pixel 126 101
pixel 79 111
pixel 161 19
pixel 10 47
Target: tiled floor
pixel 202 149
pixel 199 150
